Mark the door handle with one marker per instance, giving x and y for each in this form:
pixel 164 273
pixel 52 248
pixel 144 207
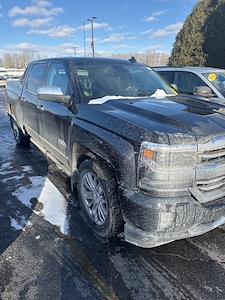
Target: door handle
pixel 41 107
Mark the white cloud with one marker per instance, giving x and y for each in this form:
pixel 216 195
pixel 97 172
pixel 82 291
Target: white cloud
pixel 24 47
pixel 66 49
pixel 155 15
pixel 104 26
pixel 1 15
pixel 172 29
pixel 147 31
pixel 43 3
pixel 40 8
pixel 123 46
pixel 35 23
pixel 114 37
pixel 55 32
pixel 118 37
pixel 153 48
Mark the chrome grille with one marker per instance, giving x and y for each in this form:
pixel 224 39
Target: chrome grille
pixel 210 172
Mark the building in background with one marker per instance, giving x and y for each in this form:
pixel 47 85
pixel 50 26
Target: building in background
pixel 10 72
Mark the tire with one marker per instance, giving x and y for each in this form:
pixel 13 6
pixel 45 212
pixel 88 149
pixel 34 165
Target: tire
pixel 21 139
pixel 103 216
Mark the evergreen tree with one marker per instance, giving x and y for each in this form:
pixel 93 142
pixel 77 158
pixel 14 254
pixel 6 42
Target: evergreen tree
pixel 201 40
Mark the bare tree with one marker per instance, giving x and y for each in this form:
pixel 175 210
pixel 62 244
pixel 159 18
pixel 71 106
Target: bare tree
pixel 19 60
pixel 150 58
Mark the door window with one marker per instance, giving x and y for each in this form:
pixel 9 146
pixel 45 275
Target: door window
pixel 36 77
pixel 187 81
pixel 58 77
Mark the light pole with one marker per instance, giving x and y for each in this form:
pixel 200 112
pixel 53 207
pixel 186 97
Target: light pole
pixel 84 34
pixel 92 19
pixel 75 51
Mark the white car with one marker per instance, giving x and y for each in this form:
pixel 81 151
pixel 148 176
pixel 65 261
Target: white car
pixel 13 78
pixel 200 81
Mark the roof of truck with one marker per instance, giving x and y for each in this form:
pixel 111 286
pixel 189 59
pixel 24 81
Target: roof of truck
pixel 81 60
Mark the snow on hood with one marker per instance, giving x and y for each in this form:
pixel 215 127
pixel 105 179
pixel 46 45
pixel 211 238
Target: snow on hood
pixel 158 94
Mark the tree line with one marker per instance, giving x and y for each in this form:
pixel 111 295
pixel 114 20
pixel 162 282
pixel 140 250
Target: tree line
pixel 21 60
pixel 18 60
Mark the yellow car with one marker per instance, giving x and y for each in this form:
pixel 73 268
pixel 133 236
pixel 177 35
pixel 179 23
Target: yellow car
pixel 3 81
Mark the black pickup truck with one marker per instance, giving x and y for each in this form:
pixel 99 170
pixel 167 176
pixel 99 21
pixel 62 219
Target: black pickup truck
pixel 148 164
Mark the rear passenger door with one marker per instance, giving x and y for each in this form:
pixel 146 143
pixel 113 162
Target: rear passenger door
pixel 187 81
pixel 29 99
pixel 54 117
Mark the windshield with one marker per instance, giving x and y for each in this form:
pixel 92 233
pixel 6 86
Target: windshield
pixel 120 79
pixel 217 79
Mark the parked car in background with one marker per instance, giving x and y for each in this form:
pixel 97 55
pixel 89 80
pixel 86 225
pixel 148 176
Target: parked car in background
pixel 3 81
pixel 148 164
pixel 199 81
pixel 13 78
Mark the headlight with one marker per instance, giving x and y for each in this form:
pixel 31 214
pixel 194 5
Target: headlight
pixel 166 168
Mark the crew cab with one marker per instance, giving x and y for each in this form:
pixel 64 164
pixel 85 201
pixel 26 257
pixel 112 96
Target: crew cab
pixel 147 163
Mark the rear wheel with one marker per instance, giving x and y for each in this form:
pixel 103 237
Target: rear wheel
pixel 21 139
pixel 97 191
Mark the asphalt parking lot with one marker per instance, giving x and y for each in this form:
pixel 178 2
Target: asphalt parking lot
pixel 46 252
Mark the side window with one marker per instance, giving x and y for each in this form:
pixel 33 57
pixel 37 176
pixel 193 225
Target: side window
pixel 168 76
pixel 36 77
pixel 187 81
pixel 58 77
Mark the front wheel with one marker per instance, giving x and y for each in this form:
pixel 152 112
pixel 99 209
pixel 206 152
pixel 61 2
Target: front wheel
pixel 97 191
pixel 21 139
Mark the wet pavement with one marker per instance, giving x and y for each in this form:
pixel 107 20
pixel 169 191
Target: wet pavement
pixel 40 260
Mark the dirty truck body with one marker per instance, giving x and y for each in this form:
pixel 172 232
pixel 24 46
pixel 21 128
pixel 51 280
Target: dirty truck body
pixel 165 154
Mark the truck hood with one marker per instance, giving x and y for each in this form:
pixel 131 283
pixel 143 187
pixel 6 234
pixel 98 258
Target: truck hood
pixel 171 120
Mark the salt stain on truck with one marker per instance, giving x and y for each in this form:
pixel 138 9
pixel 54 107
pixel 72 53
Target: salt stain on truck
pixel 148 164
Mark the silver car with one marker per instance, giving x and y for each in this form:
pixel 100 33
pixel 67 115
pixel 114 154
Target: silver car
pixel 201 81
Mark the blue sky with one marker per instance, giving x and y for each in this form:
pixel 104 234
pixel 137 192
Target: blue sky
pixel 123 26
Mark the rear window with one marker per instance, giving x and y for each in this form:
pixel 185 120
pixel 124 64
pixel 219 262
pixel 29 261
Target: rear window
pixel 36 77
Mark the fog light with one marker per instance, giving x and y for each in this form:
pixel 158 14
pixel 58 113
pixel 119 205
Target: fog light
pixel 166 220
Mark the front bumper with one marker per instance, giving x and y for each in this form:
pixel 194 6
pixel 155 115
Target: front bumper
pixel 153 221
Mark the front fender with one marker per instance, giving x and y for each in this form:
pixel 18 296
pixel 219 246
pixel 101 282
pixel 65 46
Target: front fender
pixel 116 151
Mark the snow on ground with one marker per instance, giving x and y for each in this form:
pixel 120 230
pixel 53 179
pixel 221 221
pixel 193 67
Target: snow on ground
pixel 40 190
pixel 6 165
pixel 27 169
pixel 15 224
pixel 12 178
pixel 54 204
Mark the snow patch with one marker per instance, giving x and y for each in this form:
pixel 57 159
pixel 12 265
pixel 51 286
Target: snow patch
pixel 159 93
pixel 27 169
pixel 107 98
pixel 15 224
pixel 54 204
pixel 6 165
pixel 12 178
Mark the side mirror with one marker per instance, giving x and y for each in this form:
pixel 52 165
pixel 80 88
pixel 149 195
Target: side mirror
pixel 53 94
pixel 203 91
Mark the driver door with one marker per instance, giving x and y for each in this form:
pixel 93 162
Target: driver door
pixel 54 117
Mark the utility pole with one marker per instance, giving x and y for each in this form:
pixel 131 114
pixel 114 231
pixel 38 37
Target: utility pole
pixel 84 31
pixel 75 51
pixel 91 20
